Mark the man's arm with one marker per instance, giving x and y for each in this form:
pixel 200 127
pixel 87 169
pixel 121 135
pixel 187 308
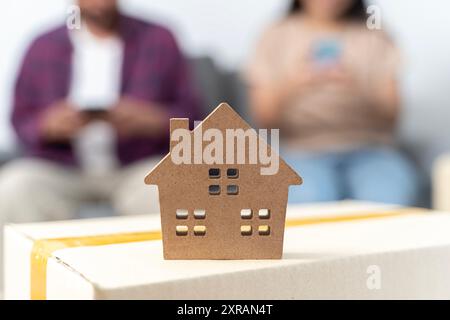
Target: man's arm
pixel 26 114
pixel 34 122
pixel 137 117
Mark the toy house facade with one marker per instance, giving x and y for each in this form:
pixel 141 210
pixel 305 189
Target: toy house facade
pixel 221 211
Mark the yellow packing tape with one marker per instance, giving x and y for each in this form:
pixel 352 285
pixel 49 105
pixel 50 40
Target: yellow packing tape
pixel 43 249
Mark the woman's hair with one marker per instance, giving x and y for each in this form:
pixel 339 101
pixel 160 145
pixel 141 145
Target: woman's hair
pixel 357 10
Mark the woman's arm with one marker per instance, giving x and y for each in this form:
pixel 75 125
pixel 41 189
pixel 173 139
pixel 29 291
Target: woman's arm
pixel 267 101
pixel 388 99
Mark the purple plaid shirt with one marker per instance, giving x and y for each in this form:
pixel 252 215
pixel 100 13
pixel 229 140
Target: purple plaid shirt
pixel 154 70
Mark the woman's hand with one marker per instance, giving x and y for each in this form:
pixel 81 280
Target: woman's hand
pixel 268 101
pixel 338 73
pixel 298 81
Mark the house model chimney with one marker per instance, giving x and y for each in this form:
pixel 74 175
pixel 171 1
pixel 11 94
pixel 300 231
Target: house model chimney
pixel 177 123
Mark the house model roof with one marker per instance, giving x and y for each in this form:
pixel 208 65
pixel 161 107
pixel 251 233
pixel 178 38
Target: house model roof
pixel 222 118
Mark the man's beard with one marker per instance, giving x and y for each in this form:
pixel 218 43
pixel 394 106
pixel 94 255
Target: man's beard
pixel 107 20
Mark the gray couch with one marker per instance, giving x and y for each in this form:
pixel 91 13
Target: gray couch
pixel 218 86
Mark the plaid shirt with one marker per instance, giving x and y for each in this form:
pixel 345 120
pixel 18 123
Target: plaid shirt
pixel 153 70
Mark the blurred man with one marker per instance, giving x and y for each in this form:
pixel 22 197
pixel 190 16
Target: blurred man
pixel 92 109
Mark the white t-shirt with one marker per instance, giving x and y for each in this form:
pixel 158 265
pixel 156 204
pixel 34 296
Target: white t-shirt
pixel 96 69
pixel 96 80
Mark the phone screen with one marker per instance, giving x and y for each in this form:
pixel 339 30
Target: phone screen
pixel 95 113
pixel 326 52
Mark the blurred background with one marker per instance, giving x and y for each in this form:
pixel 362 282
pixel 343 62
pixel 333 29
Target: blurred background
pixel 219 38
pixel 221 41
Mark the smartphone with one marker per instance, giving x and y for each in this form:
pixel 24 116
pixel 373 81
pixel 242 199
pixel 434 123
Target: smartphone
pixel 93 112
pixel 326 52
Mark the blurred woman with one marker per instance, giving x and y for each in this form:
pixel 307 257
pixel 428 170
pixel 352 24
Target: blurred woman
pixel 330 85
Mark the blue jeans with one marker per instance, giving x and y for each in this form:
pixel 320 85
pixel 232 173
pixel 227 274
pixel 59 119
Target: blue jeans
pixel 371 174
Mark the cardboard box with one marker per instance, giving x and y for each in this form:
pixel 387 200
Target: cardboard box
pixel 339 250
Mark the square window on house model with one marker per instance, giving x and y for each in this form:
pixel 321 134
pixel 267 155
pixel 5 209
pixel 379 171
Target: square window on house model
pixel 199 230
pixel 214 190
pixel 199 214
pixel 264 213
pixel 246 213
pixel 232 190
pixel 246 230
pixel 182 230
pixel 264 230
pixel 214 173
pixel 182 213
pixel 232 173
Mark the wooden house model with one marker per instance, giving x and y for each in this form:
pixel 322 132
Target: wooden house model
pixel 221 211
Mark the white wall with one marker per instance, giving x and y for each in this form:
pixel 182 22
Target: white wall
pixel 228 29
pixel 223 29
pixel 422 30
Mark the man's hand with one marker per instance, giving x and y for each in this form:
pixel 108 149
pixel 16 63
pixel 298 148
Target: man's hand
pixel 61 122
pixel 135 118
